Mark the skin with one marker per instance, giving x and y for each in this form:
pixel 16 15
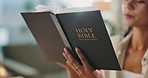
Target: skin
pixel 75 70
pixel 3 72
pixel 135 16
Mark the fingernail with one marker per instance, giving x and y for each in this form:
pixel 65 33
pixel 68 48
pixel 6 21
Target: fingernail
pixel 96 71
pixel 63 54
pixel 65 49
pixel 76 48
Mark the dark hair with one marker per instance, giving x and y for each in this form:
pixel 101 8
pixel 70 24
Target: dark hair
pixel 128 31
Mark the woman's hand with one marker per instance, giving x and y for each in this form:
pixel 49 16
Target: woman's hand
pixel 70 71
pixel 83 71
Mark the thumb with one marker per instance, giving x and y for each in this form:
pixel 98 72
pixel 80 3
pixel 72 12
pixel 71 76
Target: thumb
pixel 99 73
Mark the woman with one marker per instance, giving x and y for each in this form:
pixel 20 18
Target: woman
pixel 131 50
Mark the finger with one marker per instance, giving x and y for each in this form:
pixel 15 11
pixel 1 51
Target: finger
pixel 68 68
pixel 74 67
pixel 99 73
pixel 78 70
pixel 73 63
pixel 63 65
pixel 84 61
pixel 66 58
pixel 68 61
pixel 71 60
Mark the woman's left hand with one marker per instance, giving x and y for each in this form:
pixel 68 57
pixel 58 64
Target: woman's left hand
pixel 85 70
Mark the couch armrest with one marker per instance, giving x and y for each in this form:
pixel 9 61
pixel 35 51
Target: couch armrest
pixel 21 68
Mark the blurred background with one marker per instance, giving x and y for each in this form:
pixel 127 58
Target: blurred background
pixel 18 49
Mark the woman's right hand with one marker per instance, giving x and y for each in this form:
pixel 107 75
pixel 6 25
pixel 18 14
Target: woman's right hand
pixel 70 71
pixel 80 71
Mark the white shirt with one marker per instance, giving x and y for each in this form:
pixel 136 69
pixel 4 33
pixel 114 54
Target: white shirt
pixel 120 45
pixel 128 74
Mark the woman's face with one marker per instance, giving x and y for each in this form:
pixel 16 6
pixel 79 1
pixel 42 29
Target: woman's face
pixel 135 13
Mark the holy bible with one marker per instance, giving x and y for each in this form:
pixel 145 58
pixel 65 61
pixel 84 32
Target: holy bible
pixel 83 28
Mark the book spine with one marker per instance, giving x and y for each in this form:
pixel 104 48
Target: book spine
pixel 61 32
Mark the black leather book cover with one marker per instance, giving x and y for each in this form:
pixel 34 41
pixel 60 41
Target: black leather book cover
pixel 45 33
pixel 87 31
